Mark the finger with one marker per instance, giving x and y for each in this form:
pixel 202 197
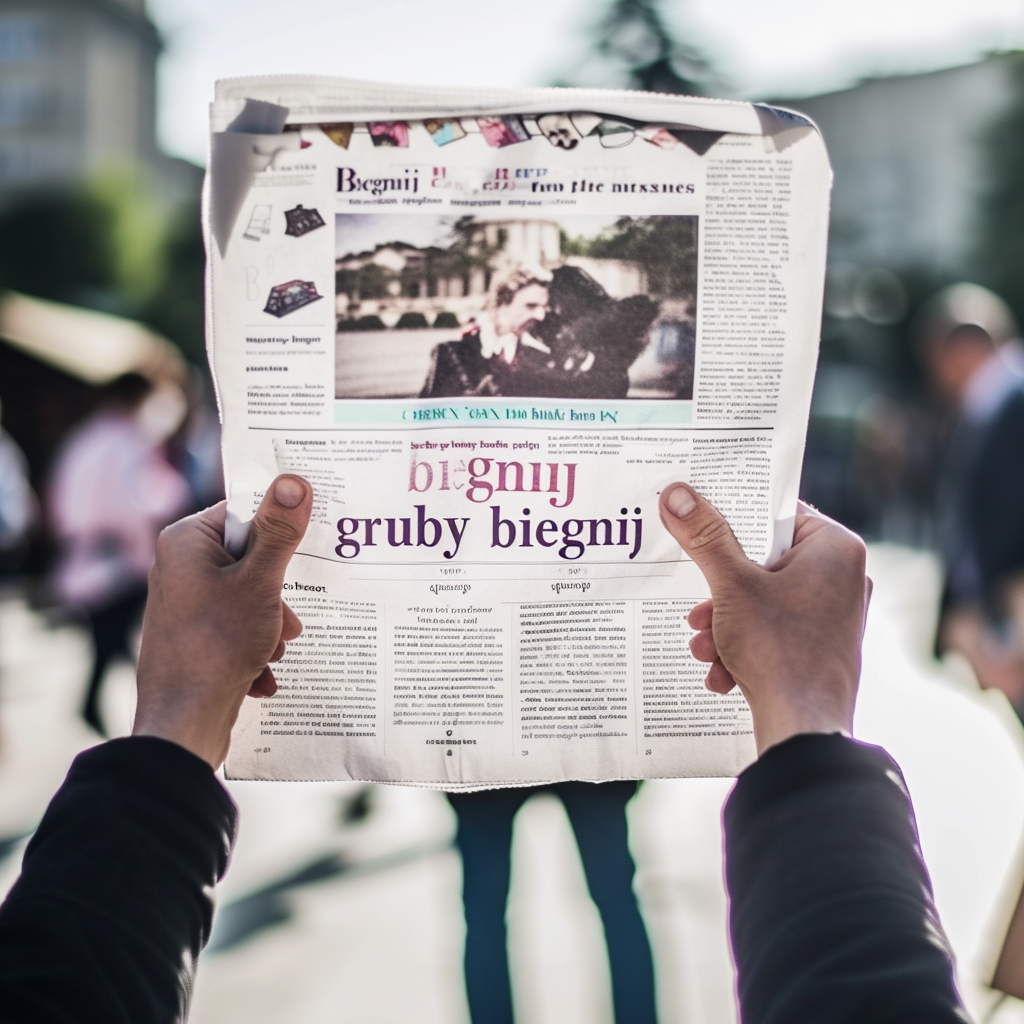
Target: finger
pixel 291 627
pixel 264 685
pixel 703 646
pixel 804 509
pixel 277 528
pixel 199 538
pixel 700 615
pixel 278 651
pixel 703 534
pixel 213 519
pixel 869 589
pixel 719 679
pixel 809 520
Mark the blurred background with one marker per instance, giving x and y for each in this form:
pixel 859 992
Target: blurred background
pixel 343 902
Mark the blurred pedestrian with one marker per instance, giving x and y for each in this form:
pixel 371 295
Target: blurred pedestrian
pixel 598 816
pixel 111 492
pixel 196 446
pixel 976 364
pixel 18 508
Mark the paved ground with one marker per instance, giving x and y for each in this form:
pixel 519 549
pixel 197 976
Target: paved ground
pixel 342 905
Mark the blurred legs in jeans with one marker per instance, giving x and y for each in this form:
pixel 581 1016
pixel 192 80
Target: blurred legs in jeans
pixel 111 628
pixel 598 817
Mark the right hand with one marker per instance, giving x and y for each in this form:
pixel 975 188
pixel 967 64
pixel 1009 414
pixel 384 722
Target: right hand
pixel 789 636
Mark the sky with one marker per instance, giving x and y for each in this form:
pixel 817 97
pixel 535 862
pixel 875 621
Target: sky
pixel 762 49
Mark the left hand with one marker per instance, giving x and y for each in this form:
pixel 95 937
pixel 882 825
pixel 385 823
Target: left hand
pixel 213 624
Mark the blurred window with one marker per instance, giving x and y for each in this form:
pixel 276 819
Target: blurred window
pixel 23 38
pixel 28 162
pixel 26 103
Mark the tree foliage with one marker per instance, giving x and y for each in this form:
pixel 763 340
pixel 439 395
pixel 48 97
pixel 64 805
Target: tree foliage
pixel 467 251
pixel 666 247
pixel 176 307
pixel 633 46
pixel 110 245
pixel 59 246
pixel 371 281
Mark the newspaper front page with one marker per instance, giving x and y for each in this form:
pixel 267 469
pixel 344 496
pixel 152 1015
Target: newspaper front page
pixel 489 327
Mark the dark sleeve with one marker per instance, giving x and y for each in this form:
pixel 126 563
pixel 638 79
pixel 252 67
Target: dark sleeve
pixel 831 911
pixel 995 499
pixel 447 376
pixel 115 898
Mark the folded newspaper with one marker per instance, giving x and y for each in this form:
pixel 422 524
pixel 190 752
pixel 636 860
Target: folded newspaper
pixel 489 326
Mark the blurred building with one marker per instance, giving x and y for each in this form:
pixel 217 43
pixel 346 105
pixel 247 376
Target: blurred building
pixel 908 165
pixel 78 95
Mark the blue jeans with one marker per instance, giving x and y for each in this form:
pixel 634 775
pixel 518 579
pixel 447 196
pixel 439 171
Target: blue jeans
pixel 598 817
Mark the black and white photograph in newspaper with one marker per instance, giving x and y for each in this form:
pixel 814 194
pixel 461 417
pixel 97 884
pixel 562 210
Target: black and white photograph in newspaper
pixel 568 307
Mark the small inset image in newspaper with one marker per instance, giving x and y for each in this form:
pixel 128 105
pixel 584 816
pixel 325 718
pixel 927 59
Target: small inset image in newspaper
pixel 543 307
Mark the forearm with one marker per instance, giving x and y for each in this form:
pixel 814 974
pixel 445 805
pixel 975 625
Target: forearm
pixel 114 902
pixel 831 913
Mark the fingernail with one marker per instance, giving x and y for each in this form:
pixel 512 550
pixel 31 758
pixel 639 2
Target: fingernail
pixel 289 492
pixel 681 502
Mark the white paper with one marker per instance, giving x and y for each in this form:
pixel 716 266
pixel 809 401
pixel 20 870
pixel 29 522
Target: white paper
pixel 488 595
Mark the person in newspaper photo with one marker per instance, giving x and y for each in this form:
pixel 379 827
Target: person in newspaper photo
pixel 831 910
pixel 493 353
pixel 557 335
pixel 574 308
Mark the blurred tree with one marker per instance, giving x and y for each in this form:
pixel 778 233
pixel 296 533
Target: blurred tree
pixel 60 246
pixel 468 250
pixel 111 246
pixel 1000 249
pixel 176 306
pixel 371 281
pixel 666 247
pixel 633 46
pixel 137 224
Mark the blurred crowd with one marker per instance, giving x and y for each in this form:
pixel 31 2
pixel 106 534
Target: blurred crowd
pixel 147 453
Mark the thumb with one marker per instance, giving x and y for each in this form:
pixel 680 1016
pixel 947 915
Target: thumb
pixel 703 534
pixel 278 527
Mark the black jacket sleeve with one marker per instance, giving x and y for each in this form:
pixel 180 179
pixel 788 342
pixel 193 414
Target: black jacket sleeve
pixel 115 898
pixel 832 917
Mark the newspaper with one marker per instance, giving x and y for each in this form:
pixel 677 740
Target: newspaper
pixel 489 327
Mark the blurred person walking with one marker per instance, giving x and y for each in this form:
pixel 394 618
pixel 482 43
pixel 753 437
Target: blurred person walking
pixel 195 447
pixel 597 812
pixel 18 508
pixel 111 492
pixel 975 363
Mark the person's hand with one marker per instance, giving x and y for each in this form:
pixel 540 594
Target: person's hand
pixel 789 636
pixel 213 623
pixel 997 661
